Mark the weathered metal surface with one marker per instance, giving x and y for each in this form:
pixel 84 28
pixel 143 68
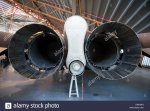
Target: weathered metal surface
pixel 5 39
pixel 144 39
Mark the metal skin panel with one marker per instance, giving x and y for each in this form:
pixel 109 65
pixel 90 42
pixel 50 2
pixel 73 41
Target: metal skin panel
pixel 144 39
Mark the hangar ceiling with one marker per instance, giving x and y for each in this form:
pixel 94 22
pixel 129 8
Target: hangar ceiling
pixel 134 13
pixel 12 19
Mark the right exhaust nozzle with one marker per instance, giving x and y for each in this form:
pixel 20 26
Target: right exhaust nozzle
pixel 113 51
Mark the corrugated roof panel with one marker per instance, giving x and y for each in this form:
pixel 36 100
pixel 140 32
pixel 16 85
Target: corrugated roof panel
pixel 125 11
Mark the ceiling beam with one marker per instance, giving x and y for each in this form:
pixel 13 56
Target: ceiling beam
pixel 43 15
pixel 58 24
pixel 76 7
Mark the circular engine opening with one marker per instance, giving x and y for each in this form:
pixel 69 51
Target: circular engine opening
pixel 103 53
pixel 113 51
pixel 36 51
pixel 45 51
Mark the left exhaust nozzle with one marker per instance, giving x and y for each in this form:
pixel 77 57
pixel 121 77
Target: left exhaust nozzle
pixel 36 51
